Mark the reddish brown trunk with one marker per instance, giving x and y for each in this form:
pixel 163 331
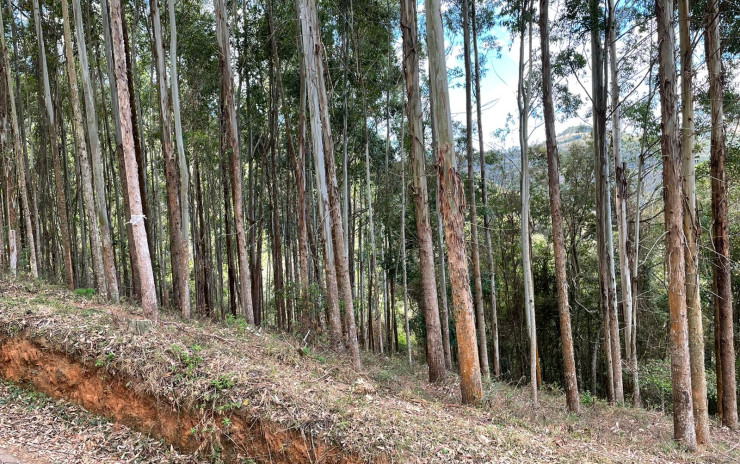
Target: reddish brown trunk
pixel 683 415
pixel 452 206
pixel 558 239
pixel 232 147
pixel 137 219
pixel 434 350
pixel 178 247
pixel 720 225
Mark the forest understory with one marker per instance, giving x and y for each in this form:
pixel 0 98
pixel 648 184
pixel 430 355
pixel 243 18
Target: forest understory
pixel 226 392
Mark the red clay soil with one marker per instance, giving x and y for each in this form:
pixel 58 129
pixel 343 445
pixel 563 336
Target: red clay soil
pixel 206 432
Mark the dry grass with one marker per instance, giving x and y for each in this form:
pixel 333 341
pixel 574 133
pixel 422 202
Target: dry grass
pixel 388 409
pixel 40 430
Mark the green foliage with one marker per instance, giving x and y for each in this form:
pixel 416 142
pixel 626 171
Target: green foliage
pixel 188 359
pixel 587 398
pixel 224 382
pixel 85 292
pixel 655 384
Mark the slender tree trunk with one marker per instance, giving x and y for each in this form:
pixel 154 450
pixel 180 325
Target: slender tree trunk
pixel 620 188
pixel 345 286
pixel 444 316
pixel 87 188
pixel 232 146
pixel 484 194
pixel 434 351
pixel 683 415
pixel 61 198
pixel 473 210
pixel 452 206
pixel 373 304
pixel 599 129
pixel 523 104
pixel 558 239
pixel 691 230
pixel 143 259
pixel 312 61
pixel 96 161
pixel 178 241
pixel 298 161
pixel 636 398
pixel 20 169
pixel 720 225
pixel 182 163
pixel 403 244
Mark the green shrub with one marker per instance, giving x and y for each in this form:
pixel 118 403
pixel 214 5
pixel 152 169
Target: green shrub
pixel 85 292
pixel 656 389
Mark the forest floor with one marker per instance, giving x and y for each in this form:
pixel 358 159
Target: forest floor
pixel 225 391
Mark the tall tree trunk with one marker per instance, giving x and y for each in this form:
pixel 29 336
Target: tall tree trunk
pixel 96 162
pixel 452 206
pixel 558 238
pixel 178 241
pixel 599 131
pixel 636 397
pixel 143 259
pixel 20 167
pixel 403 243
pixel 523 100
pixel 484 194
pixel 182 163
pixel 620 189
pixel 444 316
pixel 473 210
pixel 314 81
pixel 691 230
pixel 87 188
pixel 321 98
pixel 683 415
pixel 298 162
pixel 720 225
pixel 116 113
pixel 373 309
pixel 434 351
pixel 232 146
pixel 61 198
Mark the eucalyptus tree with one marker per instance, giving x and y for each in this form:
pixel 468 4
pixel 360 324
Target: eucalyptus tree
pixel 178 242
pixel 452 206
pixel 14 240
pixel 691 230
pixel 558 239
pixel 726 381
pixel 84 159
pixel 232 146
pixel 313 60
pixel 523 104
pixel 182 163
pixel 472 208
pixel 683 415
pixel 434 350
pixel 620 176
pixel 487 223
pixel 95 159
pixel 59 187
pixel 143 260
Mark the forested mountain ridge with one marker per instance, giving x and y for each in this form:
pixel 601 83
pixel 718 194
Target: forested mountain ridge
pixel 493 192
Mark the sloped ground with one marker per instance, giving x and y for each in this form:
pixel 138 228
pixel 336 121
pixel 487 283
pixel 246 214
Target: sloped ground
pixel 230 377
pixel 35 429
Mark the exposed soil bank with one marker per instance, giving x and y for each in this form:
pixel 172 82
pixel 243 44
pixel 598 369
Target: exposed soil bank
pixel 231 436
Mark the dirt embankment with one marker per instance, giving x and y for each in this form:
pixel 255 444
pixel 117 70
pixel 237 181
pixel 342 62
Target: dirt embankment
pixel 226 435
